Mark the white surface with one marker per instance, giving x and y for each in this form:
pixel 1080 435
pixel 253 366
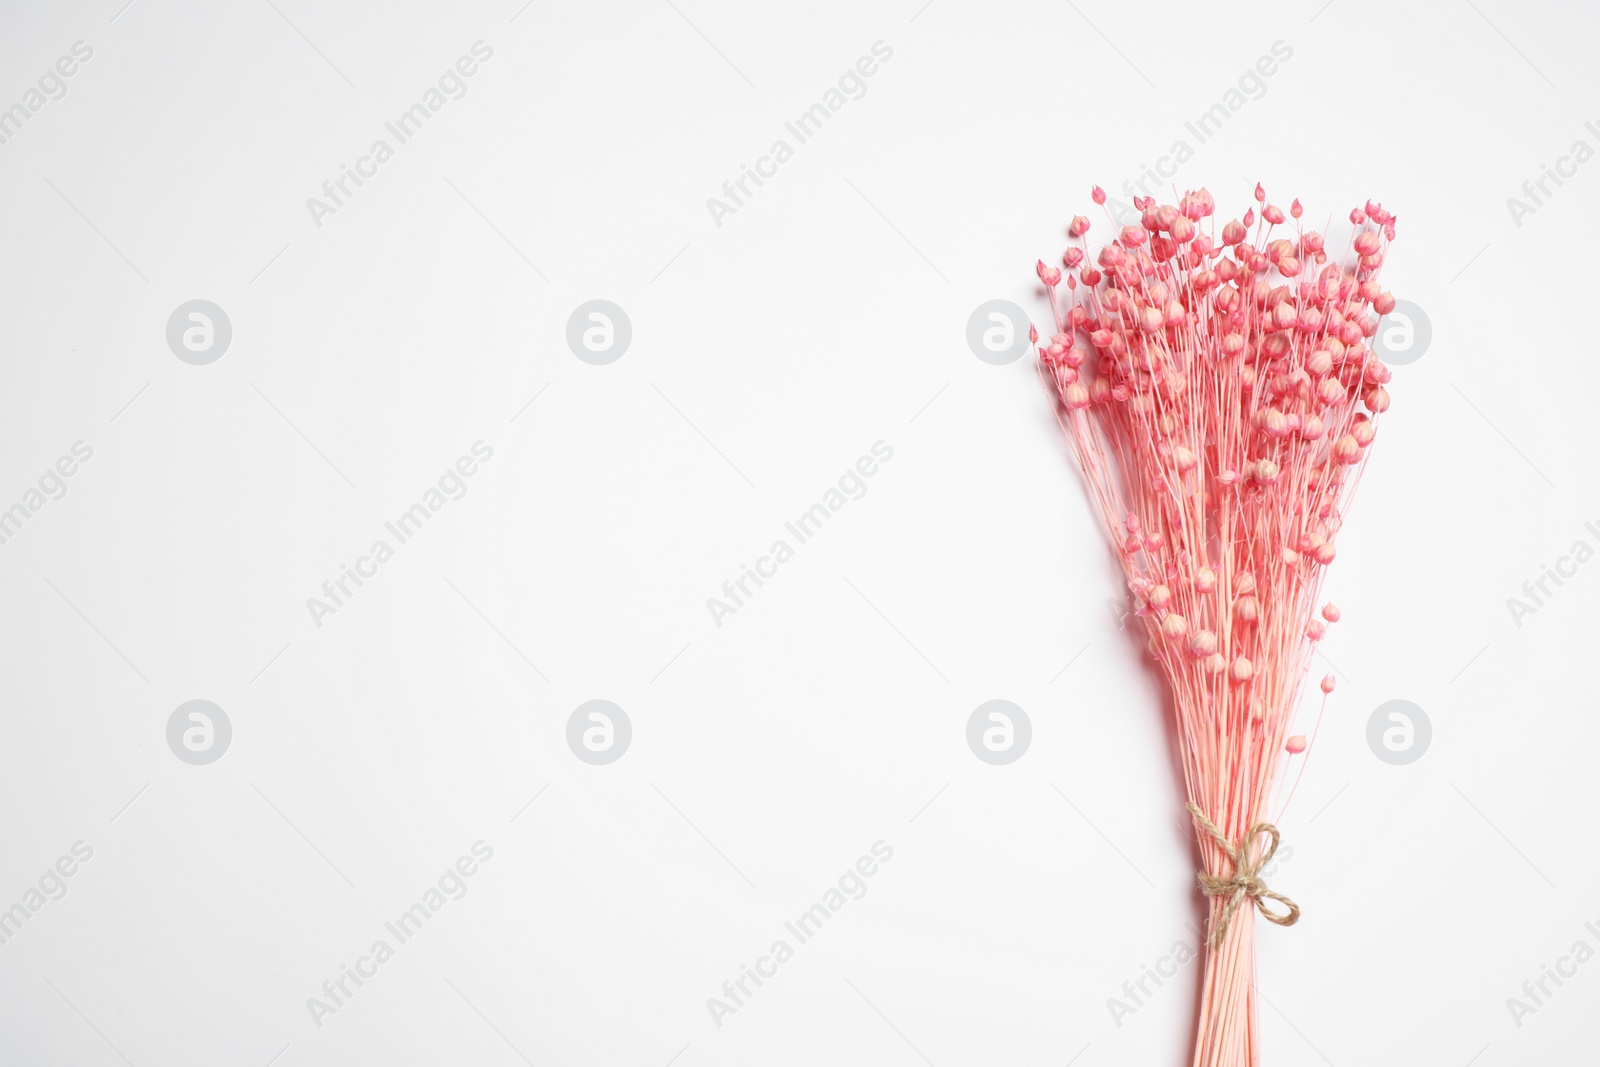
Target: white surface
pixel 826 314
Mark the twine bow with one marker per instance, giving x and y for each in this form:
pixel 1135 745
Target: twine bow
pixel 1245 883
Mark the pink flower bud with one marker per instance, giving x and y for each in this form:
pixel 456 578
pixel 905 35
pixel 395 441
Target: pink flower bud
pixel 1295 745
pixel 1099 195
pixel 1327 683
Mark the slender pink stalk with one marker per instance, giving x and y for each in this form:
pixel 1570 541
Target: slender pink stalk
pixel 1221 397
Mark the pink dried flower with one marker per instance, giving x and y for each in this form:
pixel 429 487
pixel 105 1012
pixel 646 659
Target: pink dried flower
pixel 1221 400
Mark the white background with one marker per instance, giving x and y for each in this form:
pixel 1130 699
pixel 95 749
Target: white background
pixel 768 354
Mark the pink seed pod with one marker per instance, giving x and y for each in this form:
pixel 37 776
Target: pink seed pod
pixel 1051 276
pixel 1216 663
pixel 1295 745
pixel 1159 596
pixel 1246 608
pixel 1327 683
pixel 1175 626
pixel 1315 629
pixel 1242 669
pixel 1205 579
pixel 1330 611
pixel 1347 450
pixel 1203 643
pixel 1079 226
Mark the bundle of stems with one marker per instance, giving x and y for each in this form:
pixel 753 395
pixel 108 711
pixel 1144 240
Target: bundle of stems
pixel 1221 397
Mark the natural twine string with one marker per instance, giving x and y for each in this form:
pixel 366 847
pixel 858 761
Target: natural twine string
pixel 1245 883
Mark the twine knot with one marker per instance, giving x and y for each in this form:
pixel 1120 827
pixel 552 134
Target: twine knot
pixel 1245 883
